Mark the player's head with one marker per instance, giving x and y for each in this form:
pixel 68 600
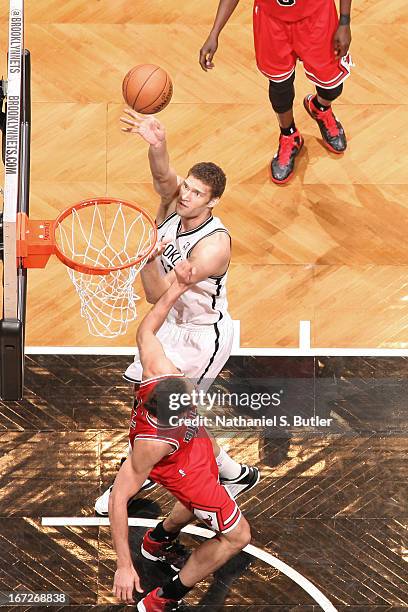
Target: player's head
pixel 201 190
pixel 170 397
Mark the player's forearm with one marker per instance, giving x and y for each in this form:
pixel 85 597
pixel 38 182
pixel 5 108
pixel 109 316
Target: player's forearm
pixel 345 7
pixel 224 12
pixel 118 518
pixel 156 317
pixel 159 161
pixel 154 284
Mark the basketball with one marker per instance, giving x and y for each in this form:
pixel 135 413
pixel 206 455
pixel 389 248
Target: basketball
pixel 147 89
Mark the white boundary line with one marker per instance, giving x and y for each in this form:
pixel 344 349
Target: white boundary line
pixel 304 349
pixel 304 335
pixel 304 583
pixel 249 352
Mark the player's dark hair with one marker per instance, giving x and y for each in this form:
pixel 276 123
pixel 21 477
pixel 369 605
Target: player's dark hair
pixel 162 401
pixel 211 175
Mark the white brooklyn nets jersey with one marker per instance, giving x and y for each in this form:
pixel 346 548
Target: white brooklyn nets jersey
pixel 204 303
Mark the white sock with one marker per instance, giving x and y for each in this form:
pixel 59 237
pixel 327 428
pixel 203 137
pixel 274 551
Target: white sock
pixel 227 467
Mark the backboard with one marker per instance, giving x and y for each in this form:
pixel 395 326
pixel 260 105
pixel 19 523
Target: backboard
pixel 16 158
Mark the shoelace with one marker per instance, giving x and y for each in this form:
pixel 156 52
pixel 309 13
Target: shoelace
pixel 286 144
pixel 329 121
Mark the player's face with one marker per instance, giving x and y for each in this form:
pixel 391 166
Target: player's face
pixel 194 198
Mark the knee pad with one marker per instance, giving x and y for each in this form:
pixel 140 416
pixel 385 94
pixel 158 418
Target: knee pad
pixel 282 94
pixel 329 94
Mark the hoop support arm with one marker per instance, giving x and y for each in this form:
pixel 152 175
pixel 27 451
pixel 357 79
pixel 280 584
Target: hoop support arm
pixel 35 243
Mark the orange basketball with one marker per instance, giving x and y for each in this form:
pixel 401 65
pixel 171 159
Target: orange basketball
pixel 147 88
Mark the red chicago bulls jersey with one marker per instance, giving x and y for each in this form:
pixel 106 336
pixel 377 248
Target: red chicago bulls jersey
pixel 292 10
pixel 189 471
pixel 185 455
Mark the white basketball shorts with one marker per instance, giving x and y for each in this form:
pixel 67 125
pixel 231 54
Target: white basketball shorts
pixel 200 352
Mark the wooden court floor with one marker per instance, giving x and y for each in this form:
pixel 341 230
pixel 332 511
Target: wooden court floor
pixel 331 502
pixel 330 247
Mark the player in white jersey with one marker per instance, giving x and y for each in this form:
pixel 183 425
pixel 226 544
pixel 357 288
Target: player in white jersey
pixel 198 332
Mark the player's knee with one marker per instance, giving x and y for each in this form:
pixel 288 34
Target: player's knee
pixel 240 536
pixel 282 94
pixel 244 534
pixel 330 94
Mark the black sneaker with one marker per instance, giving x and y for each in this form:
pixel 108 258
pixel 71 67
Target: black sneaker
pixel 283 163
pixel 330 127
pixel 246 481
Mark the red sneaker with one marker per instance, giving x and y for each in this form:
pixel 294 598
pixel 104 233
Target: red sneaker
pixel 283 163
pixel 172 553
pixel 330 127
pixel 154 603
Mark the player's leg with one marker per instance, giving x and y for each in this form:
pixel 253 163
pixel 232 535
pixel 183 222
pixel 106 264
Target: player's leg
pixel 315 43
pixel 216 508
pixel 203 561
pixel 212 554
pixel 161 543
pixel 319 108
pixel 281 96
pixel 276 59
pixel 203 362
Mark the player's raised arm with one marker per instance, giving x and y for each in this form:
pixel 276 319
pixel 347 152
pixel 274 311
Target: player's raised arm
pixel 207 51
pixel 164 177
pixel 153 359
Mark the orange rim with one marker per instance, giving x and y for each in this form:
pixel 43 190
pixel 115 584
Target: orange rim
pixel 86 269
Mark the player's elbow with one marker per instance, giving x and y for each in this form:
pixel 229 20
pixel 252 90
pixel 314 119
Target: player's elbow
pixel 150 298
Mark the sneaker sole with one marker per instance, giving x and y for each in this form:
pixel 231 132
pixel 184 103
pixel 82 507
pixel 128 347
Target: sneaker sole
pixel 141 607
pixel 98 513
pixel 325 143
pixel 291 175
pixel 148 555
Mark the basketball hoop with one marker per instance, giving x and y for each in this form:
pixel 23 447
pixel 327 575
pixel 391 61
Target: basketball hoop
pixel 104 242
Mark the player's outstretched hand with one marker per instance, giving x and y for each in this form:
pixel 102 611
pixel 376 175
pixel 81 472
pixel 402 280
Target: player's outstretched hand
pixel 148 127
pixel 207 52
pixel 126 579
pixel 184 273
pixel 158 249
pixel 341 41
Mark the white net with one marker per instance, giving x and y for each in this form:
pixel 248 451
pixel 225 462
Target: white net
pixel 106 236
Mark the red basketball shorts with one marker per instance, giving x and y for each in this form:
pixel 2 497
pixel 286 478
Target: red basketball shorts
pixel 279 44
pixel 194 482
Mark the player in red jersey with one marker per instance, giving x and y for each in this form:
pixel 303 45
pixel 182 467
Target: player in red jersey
pixel 285 31
pixel 179 456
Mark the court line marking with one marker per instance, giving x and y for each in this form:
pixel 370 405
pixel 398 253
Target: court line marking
pixel 304 335
pixel 303 350
pixel 281 566
pixel 249 352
